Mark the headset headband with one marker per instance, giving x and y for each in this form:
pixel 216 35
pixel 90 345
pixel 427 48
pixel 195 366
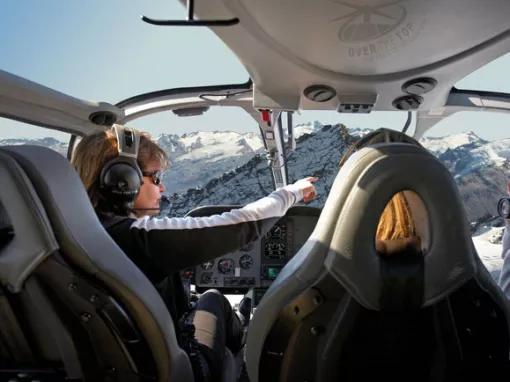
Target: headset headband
pixel 127 141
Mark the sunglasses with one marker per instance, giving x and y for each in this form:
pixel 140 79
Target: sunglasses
pixel 155 177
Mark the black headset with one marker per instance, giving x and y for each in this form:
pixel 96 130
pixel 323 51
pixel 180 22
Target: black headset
pixel 121 178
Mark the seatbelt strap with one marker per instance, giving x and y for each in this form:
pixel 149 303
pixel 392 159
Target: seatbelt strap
pixel 15 346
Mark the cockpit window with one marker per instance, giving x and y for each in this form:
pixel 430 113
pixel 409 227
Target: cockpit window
pixel 394 120
pixel 203 148
pixel 490 77
pixel 13 133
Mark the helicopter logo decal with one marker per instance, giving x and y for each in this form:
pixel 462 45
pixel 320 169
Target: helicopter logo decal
pixel 369 22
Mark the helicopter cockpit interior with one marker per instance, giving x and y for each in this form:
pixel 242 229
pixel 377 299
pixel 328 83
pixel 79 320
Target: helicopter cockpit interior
pixel 324 304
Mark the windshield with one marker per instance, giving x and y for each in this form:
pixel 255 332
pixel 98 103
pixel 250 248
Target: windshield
pixel 491 77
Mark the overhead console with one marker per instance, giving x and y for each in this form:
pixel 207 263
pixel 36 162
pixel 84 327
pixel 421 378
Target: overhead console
pixel 257 264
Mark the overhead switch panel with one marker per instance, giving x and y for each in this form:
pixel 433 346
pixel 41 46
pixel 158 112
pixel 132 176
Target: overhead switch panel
pixel 356 103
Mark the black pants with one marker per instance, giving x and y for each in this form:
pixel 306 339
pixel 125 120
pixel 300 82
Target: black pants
pixel 216 327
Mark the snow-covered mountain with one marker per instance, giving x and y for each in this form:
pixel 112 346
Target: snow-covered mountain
pixel 52 143
pixel 438 145
pixel 316 154
pixel 480 169
pixel 230 167
pixel 199 157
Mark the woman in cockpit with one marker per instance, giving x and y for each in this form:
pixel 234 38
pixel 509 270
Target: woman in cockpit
pixel 161 247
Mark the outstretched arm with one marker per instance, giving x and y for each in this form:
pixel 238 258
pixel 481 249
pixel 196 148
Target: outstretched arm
pixel 177 243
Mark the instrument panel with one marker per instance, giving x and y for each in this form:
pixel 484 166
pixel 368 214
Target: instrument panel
pixel 257 264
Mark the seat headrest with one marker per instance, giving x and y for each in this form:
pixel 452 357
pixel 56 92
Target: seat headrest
pixel 361 190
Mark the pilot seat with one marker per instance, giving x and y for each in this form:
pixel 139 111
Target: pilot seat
pixel 342 311
pixel 72 305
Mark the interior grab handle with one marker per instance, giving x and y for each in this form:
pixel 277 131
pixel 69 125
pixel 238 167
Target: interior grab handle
pixel 190 21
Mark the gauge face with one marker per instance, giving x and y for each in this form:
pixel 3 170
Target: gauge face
pixel 226 265
pixel 278 232
pixel 246 261
pixel 206 278
pixel 274 250
pixel 207 265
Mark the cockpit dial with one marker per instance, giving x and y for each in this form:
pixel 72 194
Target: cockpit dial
pixel 274 250
pixel 206 278
pixel 245 261
pixel 258 263
pixel 278 232
pixel 226 265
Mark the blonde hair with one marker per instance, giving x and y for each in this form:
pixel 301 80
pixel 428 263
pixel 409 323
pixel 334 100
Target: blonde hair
pixel 396 221
pixel 97 149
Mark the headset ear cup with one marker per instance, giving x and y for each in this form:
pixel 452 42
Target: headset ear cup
pixel 121 178
pixel 120 181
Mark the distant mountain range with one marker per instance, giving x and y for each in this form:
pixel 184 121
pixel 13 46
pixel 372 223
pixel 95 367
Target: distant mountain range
pixel 231 168
pixel 200 157
pixel 480 169
pixel 52 143
pixel 317 154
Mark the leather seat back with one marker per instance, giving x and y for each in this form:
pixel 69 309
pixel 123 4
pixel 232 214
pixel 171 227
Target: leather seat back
pixel 109 321
pixel 339 310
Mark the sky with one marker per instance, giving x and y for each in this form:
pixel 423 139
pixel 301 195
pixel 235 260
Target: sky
pixel 101 51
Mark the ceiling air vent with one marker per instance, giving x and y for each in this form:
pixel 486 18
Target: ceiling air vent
pixel 408 102
pixel 419 86
pixel 103 118
pixel 356 103
pixel 319 93
pixel 190 111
